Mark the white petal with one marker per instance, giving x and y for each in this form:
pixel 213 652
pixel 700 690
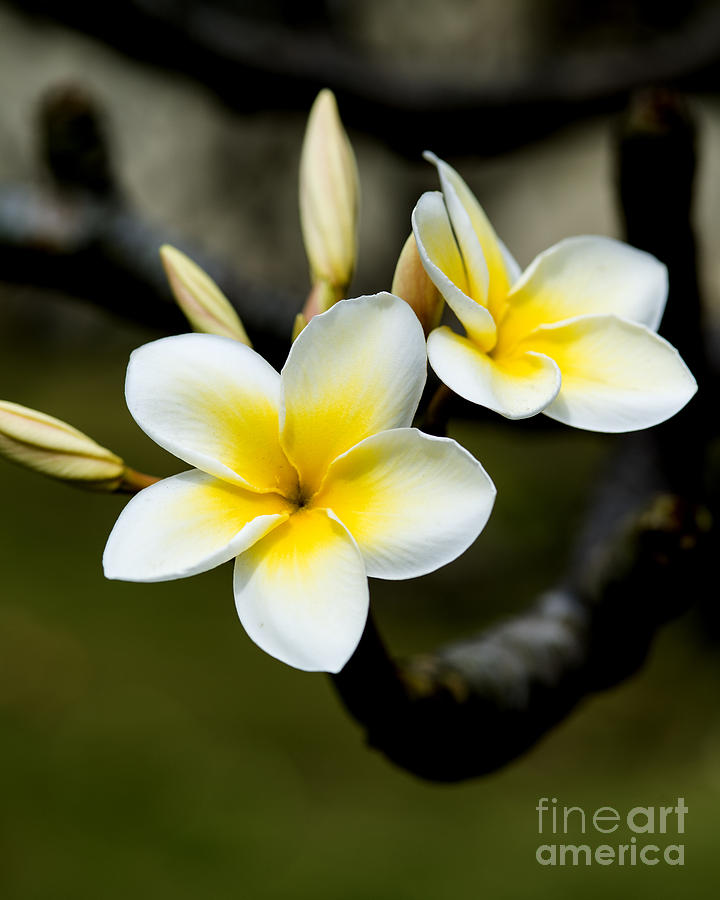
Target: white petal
pixel 444 264
pixel 355 370
pixel 502 269
pixel 471 251
pixel 516 387
pixel 214 403
pixel 616 375
pixel 186 524
pixel 302 592
pixel 587 275
pixel 412 502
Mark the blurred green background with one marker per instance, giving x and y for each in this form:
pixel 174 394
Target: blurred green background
pixel 147 747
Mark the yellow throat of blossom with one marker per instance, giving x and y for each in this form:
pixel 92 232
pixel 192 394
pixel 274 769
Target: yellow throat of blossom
pixel 311 479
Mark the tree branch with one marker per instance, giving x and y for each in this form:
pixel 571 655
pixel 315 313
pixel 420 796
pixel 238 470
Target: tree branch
pixel 81 237
pixel 287 61
pixel 475 705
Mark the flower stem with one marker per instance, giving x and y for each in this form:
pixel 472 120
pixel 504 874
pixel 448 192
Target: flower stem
pixel 133 481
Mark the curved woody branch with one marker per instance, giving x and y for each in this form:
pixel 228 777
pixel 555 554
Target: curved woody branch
pixel 474 706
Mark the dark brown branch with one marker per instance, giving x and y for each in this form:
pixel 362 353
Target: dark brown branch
pixel 475 705
pixel 656 166
pixel 79 236
pixel 106 255
pixel 255 64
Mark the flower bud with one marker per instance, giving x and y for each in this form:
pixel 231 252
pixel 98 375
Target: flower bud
pixel 412 283
pixel 328 198
pixel 205 306
pixel 321 297
pixel 298 325
pixel 47 445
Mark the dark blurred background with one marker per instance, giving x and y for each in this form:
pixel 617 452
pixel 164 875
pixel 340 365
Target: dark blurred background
pixel 147 746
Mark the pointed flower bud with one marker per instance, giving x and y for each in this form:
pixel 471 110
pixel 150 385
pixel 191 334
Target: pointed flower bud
pixel 47 445
pixel 328 199
pixel 412 283
pixel 205 306
pixel 298 325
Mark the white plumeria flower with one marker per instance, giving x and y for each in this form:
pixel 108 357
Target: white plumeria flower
pixel 311 478
pixel 573 336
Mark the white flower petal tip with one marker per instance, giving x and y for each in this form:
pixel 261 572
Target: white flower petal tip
pixel 302 594
pixel 413 502
pixel 502 269
pixel 589 275
pixel 187 524
pixel 617 376
pixel 517 388
pixel 444 264
pixel 214 403
pixel 355 370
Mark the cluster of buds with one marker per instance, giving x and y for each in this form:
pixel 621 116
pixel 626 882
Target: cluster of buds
pixel 329 201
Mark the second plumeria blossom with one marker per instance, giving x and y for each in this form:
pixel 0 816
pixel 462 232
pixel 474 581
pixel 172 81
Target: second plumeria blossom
pixel 312 478
pixel 573 336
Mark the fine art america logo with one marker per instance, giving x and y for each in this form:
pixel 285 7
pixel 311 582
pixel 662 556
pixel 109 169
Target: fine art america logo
pixel 643 834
